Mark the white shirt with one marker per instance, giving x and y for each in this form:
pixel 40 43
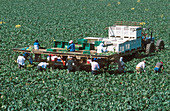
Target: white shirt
pixel 53 58
pixel 36 47
pixel 43 64
pixel 94 66
pixel 100 49
pixel 141 65
pixel 48 58
pixel 121 62
pixel 104 49
pixel 89 60
pixel 21 60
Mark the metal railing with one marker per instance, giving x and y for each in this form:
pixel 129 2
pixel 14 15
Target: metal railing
pixel 128 23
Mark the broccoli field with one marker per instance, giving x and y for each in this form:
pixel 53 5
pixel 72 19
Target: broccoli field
pixel 24 21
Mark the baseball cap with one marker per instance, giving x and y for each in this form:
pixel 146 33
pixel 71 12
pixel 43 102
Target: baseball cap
pixel 94 59
pixel 71 41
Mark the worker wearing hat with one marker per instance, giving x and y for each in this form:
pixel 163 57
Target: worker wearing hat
pixel 21 61
pixel 140 67
pixel 36 47
pixel 25 54
pixel 121 65
pixel 70 64
pixel 42 66
pixel 100 48
pixel 94 66
pixel 71 46
pixel 158 67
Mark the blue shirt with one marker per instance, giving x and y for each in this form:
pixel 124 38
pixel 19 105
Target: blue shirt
pixel 36 45
pixel 71 47
pixel 30 60
pixel 25 54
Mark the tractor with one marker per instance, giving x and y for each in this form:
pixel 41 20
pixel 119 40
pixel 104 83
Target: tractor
pixel 148 42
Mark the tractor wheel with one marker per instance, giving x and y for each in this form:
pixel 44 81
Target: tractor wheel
pixel 150 48
pixel 160 45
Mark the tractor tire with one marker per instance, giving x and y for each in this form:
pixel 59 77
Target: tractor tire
pixel 160 45
pixel 150 48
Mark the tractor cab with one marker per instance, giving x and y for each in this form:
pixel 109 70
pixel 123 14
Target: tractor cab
pixel 148 41
pixel 147 34
pixel 147 38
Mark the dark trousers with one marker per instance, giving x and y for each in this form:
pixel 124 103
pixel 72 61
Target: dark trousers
pixel 94 72
pixel 37 57
pixel 156 69
pixel 20 66
pixel 40 68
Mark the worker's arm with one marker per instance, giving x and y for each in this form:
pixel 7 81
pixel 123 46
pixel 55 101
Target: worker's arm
pixel 17 60
pixel 102 50
pixel 24 58
pixel 69 46
pixel 98 66
pixel 144 67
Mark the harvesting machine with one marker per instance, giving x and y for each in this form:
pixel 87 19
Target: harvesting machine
pixel 127 36
pixel 123 39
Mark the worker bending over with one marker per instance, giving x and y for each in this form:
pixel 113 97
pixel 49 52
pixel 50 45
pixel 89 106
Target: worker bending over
pixel 42 66
pixel 70 64
pixel 158 67
pixel 25 54
pixel 21 61
pixel 71 46
pixel 100 48
pixel 140 67
pixel 94 66
pixel 121 65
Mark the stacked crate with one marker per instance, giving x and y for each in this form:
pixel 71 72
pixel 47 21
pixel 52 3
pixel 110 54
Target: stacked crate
pixel 85 45
pixel 97 43
pixel 60 44
pixel 89 46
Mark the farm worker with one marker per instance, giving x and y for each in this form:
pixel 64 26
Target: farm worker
pixel 49 57
pixel 59 59
pixel 21 61
pixel 25 54
pixel 36 47
pixel 71 46
pixel 30 60
pixel 100 48
pixel 121 65
pixel 42 66
pixel 54 58
pixel 89 61
pixel 140 66
pixel 70 64
pixel 94 66
pixel 158 67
